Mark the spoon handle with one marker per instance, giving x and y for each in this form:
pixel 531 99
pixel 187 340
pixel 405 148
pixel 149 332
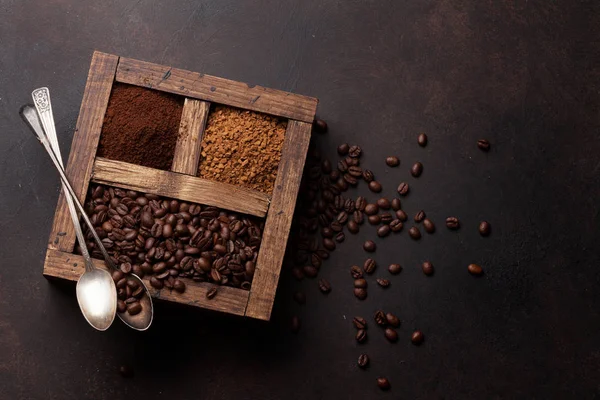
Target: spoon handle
pixel 29 114
pixel 41 98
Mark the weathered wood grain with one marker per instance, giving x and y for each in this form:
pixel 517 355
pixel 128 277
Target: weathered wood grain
pixel 218 90
pixel 179 186
pixel 85 142
pixel 189 140
pixel 279 220
pixel 68 266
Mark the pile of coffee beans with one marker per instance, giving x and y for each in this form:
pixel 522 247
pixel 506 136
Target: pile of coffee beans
pixel 168 240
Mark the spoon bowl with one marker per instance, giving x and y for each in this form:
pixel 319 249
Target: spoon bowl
pixel 96 297
pixel 143 320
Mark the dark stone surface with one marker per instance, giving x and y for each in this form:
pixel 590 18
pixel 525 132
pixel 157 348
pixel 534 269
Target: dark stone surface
pixel 524 76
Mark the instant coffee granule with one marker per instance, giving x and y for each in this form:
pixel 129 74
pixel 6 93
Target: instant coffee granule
pixel 242 148
pixel 141 126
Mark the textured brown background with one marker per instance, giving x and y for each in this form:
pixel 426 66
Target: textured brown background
pixel 522 73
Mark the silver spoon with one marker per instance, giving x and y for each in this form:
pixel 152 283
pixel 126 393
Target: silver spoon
pixel 141 321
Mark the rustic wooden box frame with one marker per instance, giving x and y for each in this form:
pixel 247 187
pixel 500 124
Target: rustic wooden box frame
pixel 181 182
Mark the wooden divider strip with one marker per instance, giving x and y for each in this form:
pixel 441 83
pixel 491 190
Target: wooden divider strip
pixel 85 142
pixel 189 140
pixel 279 220
pixel 179 186
pixel 68 266
pixel 218 90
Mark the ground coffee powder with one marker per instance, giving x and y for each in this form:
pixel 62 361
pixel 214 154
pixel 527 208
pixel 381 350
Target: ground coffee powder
pixel 242 148
pixel 141 126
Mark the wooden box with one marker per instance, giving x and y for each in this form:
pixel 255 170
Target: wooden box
pixel 181 182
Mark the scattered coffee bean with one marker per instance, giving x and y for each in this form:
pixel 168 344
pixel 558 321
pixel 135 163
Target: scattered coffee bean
pixel 356 272
pixel 383 230
pixel 355 171
pixel 394 269
pixel 295 324
pixel 403 189
pixel 363 361
pixel 422 140
pixel 392 161
pixel 428 225
pixel 324 286
pixel 310 271
pixel 359 323
pixel 391 334
pixel 401 215
pixel 296 271
pixel 380 318
pixel 354 151
pixel 369 246
pixel 212 292
pixel 327 232
pixel 320 126
pixel 475 269
pixel 340 237
pixel 300 297
pixel 179 286
pixel 360 293
pixel 374 219
pixel 392 320
pixel 358 217
pixel 375 186
pixel 452 223
pixel 334 175
pixel 484 228
pixel 369 266
pixel 383 383
pixel 352 162
pixel 420 216
pixel 483 144
pixel 383 203
pixel 360 283
pixel 361 336
pixel 326 167
pixel 427 268
pixel 329 244
pixel 371 209
pixel 134 308
pixel 386 218
pixel 417 337
pixel 368 175
pixel 396 225
pixel 417 169
pixel 350 179
pixel 384 283
pixel 343 149
pixel 360 203
pixel 396 204
pixel 414 233
pixel 126 371
pixel 352 226
pixel 342 166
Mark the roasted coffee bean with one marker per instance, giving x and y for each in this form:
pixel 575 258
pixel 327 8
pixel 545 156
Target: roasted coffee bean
pixel 484 228
pixel 427 268
pixel 342 166
pixel 380 318
pixel 356 272
pixel 422 140
pixel 391 335
pixel 452 223
pixel 341 184
pixel 156 283
pixel 125 267
pixel 327 232
pixel 159 268
pixel 383 230
pixel 310 271
pixel 396 204
pixel 396 225
pixel 392 161
pixel 483 144
pixel 336 226
pixel 324 286
pixel 319 125
pixel 342 217
pixel 363 361
pixel 121 306
pixel 355 171
pixel 369 246
pixel 371 209
pixel 358 217
pixel 417 337
pixel 417 169
pixel 179 286
pixel 298 273
pixel 374 219
pixel 394 269
pixel 361 336
pixel 360 283
pixel 360 323
pixel 384 283
pixel 386 218
pixel 383 383
pixel 326 167
pixel 343 149
pixel 368 175
pixel 116 274
pixel 315 260
pixel 349 206
pixel 212 292
pixel 134 308
pixel 392 320
pixel 360 293
pixel 401 215
pixel 428 225
pixel 121 283
pixel 354 151
pixel 360 203
pixel 300 297
pixel 352 226
pixel 375 186
pixel 475 269
pixel 403 189
pixel 414 233
pixel 420 216
pixel 334 175
pixel 383 203
pixel 369 266
pixel 340 237
pixel 295 324
pixel 329 244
